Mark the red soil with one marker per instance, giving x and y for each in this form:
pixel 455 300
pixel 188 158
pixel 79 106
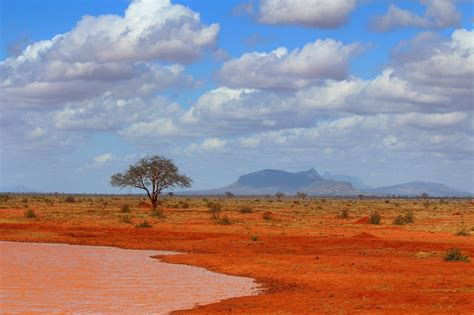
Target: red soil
pixel 364 220
pixel 348 269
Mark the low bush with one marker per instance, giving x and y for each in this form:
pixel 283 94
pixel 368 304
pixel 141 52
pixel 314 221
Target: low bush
pixel 30 214
pixel 254 238
pixel 404 218
pixel 144 224
pixel 375 218
pixel 267 216
pixel 409 217
pixel 344 214
pixel 215 208
pixel 70 199
pixel 462 232
pixel 454 254
pixel 125 208
pixel 399 220
pixel 246 210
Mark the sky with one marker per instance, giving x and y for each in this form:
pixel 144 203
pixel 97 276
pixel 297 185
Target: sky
pixel 380 90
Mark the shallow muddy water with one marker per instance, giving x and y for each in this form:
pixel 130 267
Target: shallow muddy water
pixel 57 278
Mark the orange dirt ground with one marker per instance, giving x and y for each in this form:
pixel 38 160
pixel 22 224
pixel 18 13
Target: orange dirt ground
pixel 306 259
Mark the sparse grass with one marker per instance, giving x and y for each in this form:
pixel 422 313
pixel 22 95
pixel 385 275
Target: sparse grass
pixel 454 254
pixel 181 205
pixel 224 220
pixel 29 214
pixel 409 217
pixel 375 218
pixel 144 224
pixel 158 213
pixel 125 219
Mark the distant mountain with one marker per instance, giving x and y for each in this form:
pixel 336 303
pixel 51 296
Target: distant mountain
pixel 269 182
pixel 416 189
pixel 354 181
pixel 17 189
pixel 272 181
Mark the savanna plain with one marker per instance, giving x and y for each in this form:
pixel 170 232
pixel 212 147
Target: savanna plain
pixel 308 255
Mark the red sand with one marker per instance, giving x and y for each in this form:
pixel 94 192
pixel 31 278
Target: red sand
pixel 369 269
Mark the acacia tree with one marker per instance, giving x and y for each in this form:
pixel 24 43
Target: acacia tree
pixel 152 174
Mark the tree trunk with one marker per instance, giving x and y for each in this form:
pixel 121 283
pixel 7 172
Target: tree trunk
pixel 154 204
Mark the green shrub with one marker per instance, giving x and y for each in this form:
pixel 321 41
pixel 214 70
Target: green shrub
pixel 454 254
pixel 144 224
pixel 246 210
pixel 30 214
pixel 375 218
pixel 125 208
pixel 254 238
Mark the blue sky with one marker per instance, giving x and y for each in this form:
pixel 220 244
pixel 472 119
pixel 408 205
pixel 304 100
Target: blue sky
pixel 381 90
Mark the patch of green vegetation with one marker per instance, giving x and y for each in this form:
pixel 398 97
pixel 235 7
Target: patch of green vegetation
pixel 454 254
pixel 375 218
pixel 254 238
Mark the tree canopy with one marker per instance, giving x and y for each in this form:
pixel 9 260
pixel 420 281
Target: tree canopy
pixel 153 174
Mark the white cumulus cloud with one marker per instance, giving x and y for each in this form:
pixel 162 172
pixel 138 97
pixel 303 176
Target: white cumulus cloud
pixel 311 13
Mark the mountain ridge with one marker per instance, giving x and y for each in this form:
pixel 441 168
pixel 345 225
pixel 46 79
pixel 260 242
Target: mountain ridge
pixel 271 181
